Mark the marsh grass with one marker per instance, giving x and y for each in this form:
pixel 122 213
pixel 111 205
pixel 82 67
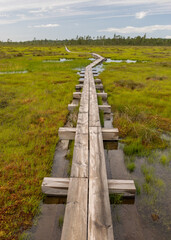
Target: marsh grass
pixel 61 220
pixel 69 155
pixel 34 105
pixel 165 160
pixel 140 96
pixel 130 162
pixel 32 108
pixel 152 183
pixel 101 114
pixel 115 199
pixel 138 188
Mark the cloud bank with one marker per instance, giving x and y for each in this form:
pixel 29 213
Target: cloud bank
pixel 131 29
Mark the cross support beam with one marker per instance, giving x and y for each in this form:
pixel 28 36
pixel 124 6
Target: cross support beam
pixel 107 134
pixel 59 187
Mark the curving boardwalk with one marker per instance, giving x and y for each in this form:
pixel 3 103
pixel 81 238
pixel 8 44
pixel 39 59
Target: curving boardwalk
pixel 87 213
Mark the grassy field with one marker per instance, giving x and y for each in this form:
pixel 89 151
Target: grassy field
pixel 33 106
pixel 140 96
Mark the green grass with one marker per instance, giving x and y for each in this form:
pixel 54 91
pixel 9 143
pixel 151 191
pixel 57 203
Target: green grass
pixel 34 105
pixel 70 156
pixel 138 188
pixel 165 160
pixel 140 96
pixel 32 108
pixel 115 199
pixel 61 220
pixel 151 181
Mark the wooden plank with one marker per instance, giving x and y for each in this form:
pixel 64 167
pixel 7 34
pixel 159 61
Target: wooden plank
pixel 79 167
pixel 80 155
pixel 105 108
pixel 94 119
pixel 75 220
pixel 59 186
pixel 79 86
pixel 102 95
pixel 110 134
pixel 81 81
pixel 97 81
pixel 72 106
pixel 99 87
pixel 121 186
pixel 77 95
pixel 65 133
pixel 99 219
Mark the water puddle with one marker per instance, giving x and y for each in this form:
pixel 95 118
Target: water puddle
pixel 92 59
pixel 79 69
pixel 150 216
pixel 14 72
pixel 59 60
pixel 109 60
pixel 99 68
pixel 48 225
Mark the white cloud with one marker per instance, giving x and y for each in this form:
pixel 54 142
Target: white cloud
pixel 131 29
pixel 45 26
pixel 168 37
pixel 42 5
pixel 141 15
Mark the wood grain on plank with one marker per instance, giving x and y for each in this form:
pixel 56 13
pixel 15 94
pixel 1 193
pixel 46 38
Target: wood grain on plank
pixel 75 221
pixel 99 219
pixel 59 186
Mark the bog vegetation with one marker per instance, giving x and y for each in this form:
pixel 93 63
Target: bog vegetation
pixel 33 105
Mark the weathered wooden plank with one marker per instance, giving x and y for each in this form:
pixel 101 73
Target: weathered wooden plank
pixel 79 86
pixel 66 133
pixel 79 167
pixel 81 81
pixel 110 134
pixel 77 95
pixel 69 133
pixel 99 219
pixel 94 119
pixel 121 186
pixel 96 74
pixel 102 95
pixel 59 186
pixel 105 108
pixel 80 155
pixel 99 87
pixel 72 106
pixel 75 220
pixel 97 81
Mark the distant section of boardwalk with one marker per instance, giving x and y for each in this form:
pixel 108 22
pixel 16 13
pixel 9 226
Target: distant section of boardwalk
pixel 87 213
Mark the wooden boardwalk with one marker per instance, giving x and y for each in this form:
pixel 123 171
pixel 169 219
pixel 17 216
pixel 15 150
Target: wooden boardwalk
pixel 87 213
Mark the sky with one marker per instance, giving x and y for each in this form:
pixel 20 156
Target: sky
pixel 22 20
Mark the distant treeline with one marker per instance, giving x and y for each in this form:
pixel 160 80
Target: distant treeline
pixel 100 41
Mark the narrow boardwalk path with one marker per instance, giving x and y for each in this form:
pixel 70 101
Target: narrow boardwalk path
pixel 87 214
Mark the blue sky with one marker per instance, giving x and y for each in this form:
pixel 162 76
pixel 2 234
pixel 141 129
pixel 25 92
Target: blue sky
pixel 22 20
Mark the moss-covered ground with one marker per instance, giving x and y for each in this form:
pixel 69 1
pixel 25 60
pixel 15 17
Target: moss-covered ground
pixel 33 106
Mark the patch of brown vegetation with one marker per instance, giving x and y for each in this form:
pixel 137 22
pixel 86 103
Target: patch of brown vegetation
pixel 156 78
pixel 129 84
pixel 27 100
